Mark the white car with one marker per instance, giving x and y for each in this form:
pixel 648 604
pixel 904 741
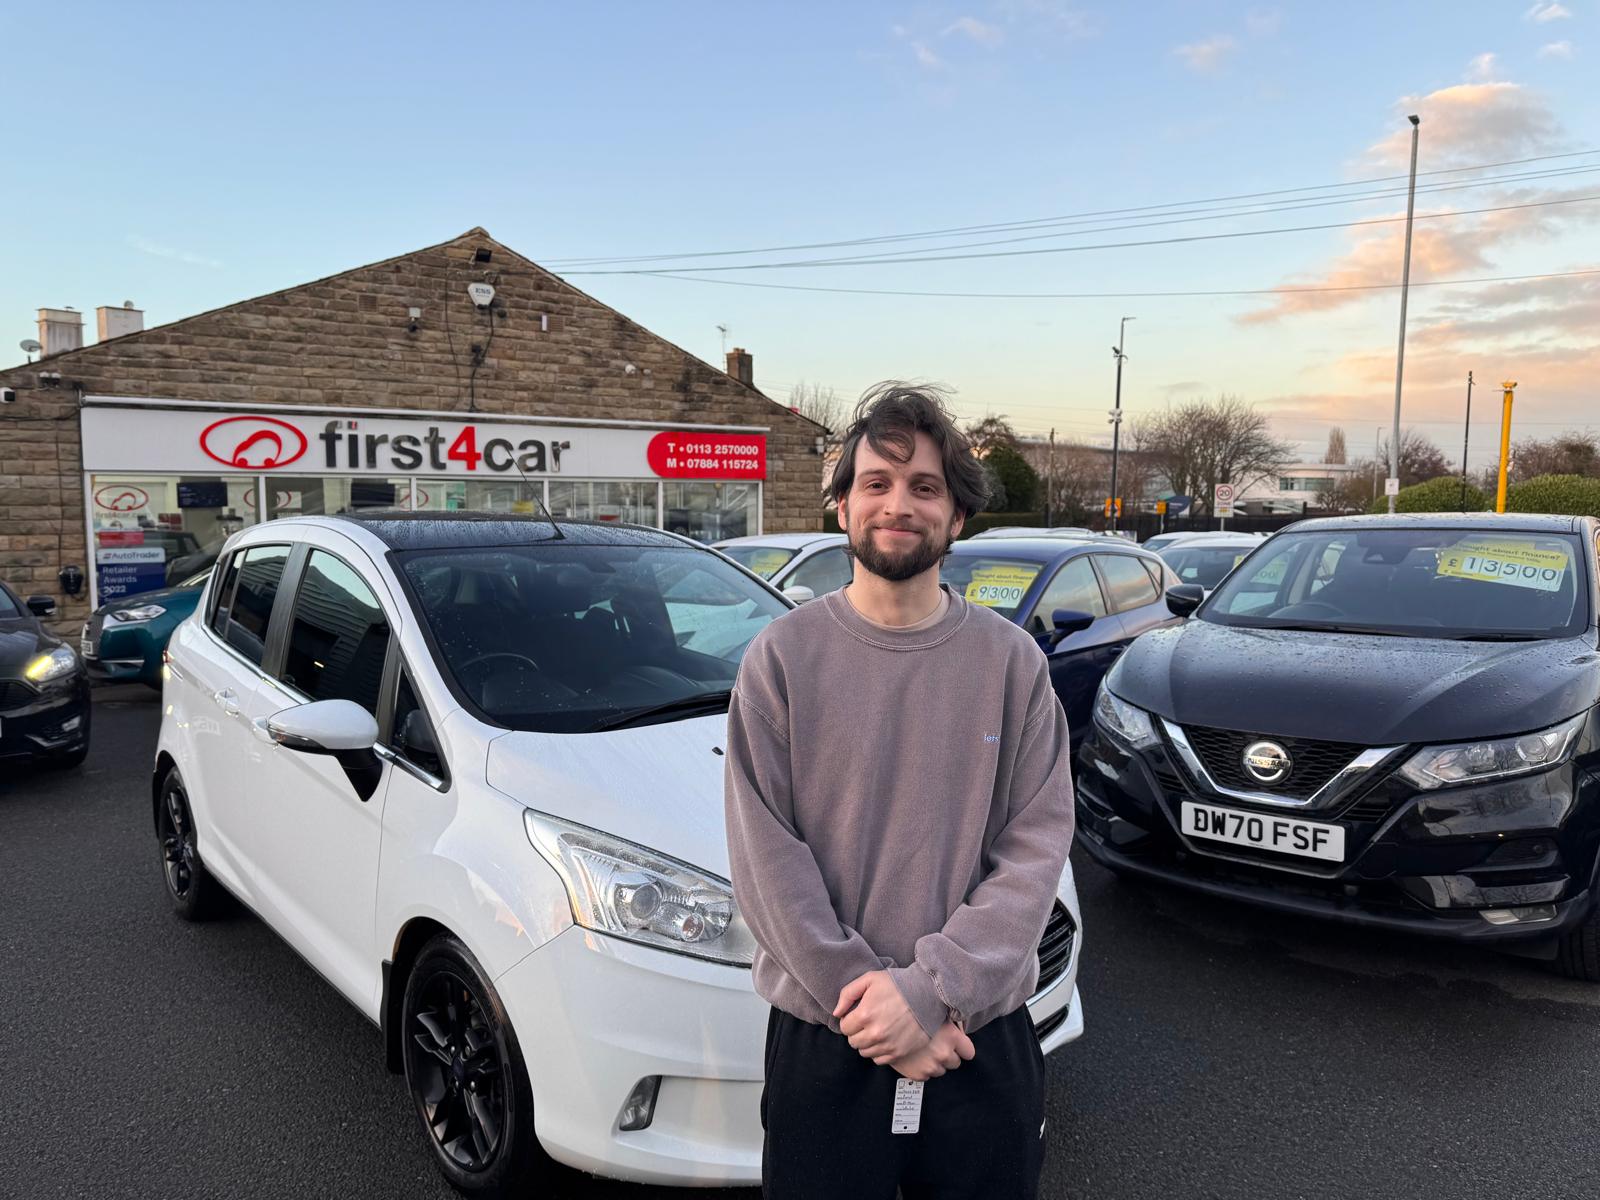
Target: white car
pixel 802 566
pixel 1046 531
pixel 1162 540
pixel 471 769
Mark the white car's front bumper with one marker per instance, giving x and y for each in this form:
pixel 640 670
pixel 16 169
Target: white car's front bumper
pixel 594 1015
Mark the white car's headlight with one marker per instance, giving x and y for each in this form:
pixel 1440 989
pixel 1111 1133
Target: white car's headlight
pixel 60 661
pixel 1474 762
pixel 628 891
pixel 1123 721
pixel 133 616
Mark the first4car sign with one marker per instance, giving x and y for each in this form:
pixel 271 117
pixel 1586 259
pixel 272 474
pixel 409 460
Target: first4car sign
pixel 142 437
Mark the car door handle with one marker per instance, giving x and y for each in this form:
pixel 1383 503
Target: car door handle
pixel 227 700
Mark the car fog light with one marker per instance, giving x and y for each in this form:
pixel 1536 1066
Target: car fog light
pixel 639 1109
pixel 70 724
pixel 1527 914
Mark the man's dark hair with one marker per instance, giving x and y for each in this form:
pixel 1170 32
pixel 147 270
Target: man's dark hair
pixel 889 417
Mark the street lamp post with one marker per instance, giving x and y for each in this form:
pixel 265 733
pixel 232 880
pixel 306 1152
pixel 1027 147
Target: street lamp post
pixel 1116 417
pixel 1466 438
pixel 1405 288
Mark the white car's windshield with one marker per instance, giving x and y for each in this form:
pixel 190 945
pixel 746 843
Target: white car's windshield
pixel 1482 583
pixel 1204 564
pixel 571 639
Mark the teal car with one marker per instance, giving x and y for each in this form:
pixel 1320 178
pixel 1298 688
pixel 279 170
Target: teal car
pixel 122 641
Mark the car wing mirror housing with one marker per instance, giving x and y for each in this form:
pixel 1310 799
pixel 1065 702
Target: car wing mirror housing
pixel 341 729
pixel 1184 598
pixel 42 606
pixel 1068 621
pixel 799 593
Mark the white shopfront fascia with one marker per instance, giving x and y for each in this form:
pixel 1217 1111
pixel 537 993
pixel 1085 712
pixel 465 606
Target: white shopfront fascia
pixel 136 435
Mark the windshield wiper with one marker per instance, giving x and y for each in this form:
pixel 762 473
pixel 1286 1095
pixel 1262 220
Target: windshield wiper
pixel 1496 637
pixel 684 704
pixel 1337 629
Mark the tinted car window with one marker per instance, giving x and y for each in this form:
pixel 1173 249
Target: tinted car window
pixel 338 637
pixel 1074 588
pixel 1413 582
pixel 223 600
pixel 1205 565
pixel 826 571
pixel 568 639
pixel 413 736
pixel 1127 582
pixel 8 607
pixel 259 575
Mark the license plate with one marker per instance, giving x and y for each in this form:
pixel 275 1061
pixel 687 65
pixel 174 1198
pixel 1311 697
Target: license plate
pixel 85 646
pixel 1264 831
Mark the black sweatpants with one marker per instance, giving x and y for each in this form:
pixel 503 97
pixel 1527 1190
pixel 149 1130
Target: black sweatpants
pixel 827 1114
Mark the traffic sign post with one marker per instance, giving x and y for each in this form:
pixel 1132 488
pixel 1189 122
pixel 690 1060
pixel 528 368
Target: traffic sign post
pixel 1222 502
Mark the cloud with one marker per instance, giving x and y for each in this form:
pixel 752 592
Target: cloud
pixel 1545 12
pixel 145 246
pixel 926 57
pixel 1556 50
pixel 1263 22
pixel 1481 67
pixel 970 27
pixel 1206 57
pixel 1461 125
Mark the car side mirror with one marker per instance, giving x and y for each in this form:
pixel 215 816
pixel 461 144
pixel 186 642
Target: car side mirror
pixel 42 606
pixel 415 740
pixel 799 593
pixel 341 729
pixel 1184 598
pixel 1068 621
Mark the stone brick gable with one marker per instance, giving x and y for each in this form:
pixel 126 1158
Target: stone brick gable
pixel 343 341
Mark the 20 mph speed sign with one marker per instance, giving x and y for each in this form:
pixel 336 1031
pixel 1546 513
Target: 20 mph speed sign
pixel 1222 500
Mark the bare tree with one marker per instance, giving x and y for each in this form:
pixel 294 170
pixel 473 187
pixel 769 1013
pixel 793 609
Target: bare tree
pixel 1420 459
pixel 1571 453
pixel 1336 451
pixel 821 404
pixel 1206 442
pixel 989 432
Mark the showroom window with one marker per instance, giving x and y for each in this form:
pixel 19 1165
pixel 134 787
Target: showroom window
pixel 155 531
pixel 709 512
pixel 474 495
pixel 327 495
pixel 632 501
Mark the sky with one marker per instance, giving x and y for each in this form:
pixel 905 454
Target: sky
pixel 190 156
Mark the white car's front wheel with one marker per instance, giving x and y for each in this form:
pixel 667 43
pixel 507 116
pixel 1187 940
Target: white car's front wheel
pixel 466 1078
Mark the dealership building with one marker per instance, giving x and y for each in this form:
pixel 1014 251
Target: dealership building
pixel 458 377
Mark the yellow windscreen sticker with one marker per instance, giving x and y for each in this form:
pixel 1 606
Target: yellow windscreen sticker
pixel 1000 585
pixel 1493 560
pixel 765 563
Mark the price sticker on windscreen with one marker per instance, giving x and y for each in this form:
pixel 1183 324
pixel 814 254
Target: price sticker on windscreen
pixel 1000 585
pixel 765 563
pixel 1518 563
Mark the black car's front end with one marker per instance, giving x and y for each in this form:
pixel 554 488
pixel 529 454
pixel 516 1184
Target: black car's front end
pixel 1431 782
pixel 44 694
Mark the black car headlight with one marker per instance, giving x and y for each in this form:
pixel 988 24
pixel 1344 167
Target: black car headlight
pixel 57 664
pixel 1501 758
pixel 1129 725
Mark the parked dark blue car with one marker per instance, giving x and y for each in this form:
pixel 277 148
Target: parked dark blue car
pixel 1108 592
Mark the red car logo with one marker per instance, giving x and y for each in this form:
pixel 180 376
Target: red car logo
pixel 259 444
pixel 121 497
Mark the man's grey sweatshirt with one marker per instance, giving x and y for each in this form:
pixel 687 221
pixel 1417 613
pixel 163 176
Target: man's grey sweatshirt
pixel 897 799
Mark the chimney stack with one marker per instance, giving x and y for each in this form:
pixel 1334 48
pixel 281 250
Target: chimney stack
pixel 741 366
pixel 60 329
pixel 115 322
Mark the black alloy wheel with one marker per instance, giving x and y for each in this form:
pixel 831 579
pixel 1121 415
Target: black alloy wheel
pixel 194 894
pixel 465 1075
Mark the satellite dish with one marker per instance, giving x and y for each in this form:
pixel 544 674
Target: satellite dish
pixel 29 346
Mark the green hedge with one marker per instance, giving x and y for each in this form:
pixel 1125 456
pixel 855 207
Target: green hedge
pixel 1436 495
pixel 1573 495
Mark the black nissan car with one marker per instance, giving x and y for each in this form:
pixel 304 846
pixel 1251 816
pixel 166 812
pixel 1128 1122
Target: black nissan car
pixel 1388 721
pixel 44 691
